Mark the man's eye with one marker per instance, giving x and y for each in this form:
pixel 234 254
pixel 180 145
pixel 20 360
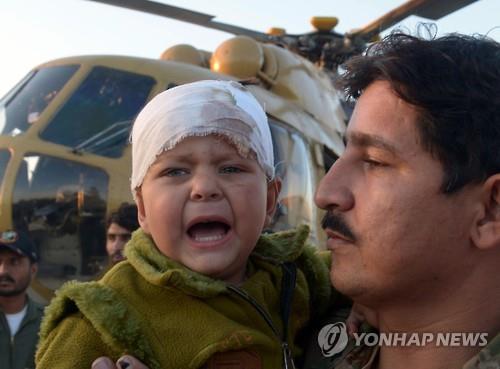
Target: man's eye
pixel 125 237
pixel 371 163
pixel 231 169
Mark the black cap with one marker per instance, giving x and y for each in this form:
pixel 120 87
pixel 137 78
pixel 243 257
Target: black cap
pixel 18 242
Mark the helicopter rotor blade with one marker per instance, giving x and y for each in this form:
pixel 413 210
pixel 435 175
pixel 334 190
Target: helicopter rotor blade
pixel 184 15
pixel 431 9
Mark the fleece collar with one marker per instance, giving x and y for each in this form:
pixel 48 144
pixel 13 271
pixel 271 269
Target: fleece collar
pixel 158 269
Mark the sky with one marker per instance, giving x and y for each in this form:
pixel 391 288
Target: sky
pixel 36 31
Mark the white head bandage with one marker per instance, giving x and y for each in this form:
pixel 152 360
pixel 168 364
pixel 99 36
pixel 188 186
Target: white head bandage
pixel 201 108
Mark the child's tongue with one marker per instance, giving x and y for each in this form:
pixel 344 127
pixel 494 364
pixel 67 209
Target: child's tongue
pixel 207 232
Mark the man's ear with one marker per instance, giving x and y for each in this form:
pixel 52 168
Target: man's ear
pixel 34 270
pixel 273 191
pixel 486 229
pixel 141 212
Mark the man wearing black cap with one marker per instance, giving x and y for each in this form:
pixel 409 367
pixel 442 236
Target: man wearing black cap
pixel 19 316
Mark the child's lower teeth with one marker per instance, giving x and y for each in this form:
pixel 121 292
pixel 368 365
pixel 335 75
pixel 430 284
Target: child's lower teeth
pixel 209 238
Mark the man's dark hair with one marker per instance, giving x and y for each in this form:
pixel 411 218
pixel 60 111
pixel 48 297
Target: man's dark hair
pixel 454 84
pixel 125 216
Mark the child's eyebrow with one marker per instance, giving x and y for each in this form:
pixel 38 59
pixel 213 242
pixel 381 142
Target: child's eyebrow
pixel 188 158
pixel 172 158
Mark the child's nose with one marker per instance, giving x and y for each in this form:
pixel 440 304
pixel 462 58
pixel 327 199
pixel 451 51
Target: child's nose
pixel 205 187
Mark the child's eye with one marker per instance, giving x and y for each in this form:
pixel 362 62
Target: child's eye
pixel 230 169
pixel 175 172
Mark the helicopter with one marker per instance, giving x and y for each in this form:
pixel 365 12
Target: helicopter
pixel 64 128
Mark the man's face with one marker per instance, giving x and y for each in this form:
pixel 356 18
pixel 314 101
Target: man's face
pixel 391 231
pixel 116 238
pixel 205 206
pixel 16 273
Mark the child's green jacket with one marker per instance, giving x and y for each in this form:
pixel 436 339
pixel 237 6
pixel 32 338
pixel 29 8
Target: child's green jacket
pixel 171 317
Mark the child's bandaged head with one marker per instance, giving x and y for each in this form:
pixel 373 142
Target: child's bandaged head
pixel 223 108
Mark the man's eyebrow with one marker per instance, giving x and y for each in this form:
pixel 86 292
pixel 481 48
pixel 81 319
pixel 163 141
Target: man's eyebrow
pixel 369 140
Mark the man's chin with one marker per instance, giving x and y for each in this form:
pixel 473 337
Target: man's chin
pixel 348 285
pixel 10 293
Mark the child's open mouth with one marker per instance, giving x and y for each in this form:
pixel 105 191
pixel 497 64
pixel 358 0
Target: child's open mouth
pixel 208 231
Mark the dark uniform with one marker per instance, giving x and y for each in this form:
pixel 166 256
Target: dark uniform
pixel 19 352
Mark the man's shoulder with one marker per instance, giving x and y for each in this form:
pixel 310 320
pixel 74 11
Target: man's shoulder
pixel 330 346
pixel 327 350
pixel 34 304
pixel 488 357
pixel 35 309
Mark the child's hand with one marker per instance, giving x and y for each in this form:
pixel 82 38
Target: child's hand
pixel 359 314
pixel 125 362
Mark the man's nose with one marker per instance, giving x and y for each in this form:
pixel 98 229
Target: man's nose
pixel 205 187
pixel 3 268
pixel 115 243
pixel 334 189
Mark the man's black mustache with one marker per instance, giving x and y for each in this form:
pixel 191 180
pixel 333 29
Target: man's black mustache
pixel 334 222
pixel 7 278
pixel 117 254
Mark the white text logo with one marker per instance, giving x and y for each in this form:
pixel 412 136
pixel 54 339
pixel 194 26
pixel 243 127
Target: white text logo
pixel 421 339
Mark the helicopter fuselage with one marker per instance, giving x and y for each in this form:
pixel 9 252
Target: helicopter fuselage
pixel 65 157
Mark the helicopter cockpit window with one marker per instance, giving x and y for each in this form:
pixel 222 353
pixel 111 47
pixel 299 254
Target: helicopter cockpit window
pixel 293 165
pixel 63 205
pixel 4 160
pixel 22 107
pixel 98 117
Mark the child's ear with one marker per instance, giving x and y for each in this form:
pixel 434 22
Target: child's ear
pixel 486 228
pixel 273 191
pixel 141 212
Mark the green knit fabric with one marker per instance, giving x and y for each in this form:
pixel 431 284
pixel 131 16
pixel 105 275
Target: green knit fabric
pixel 171 317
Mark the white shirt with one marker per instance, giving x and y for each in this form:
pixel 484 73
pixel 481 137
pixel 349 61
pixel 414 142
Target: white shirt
pixel 15 320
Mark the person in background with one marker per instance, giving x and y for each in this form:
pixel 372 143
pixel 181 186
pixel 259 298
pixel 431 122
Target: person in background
pixel 119 227
pixel 20 316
